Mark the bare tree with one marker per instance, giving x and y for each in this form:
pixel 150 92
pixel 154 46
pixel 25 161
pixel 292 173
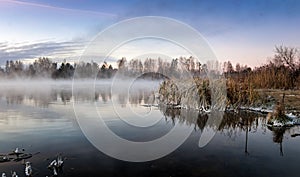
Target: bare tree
pixel 287 56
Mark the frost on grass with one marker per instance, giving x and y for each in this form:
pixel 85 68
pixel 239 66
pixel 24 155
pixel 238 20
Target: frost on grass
pixel 278 118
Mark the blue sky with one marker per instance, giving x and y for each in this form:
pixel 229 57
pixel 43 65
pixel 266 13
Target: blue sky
pixel 237 30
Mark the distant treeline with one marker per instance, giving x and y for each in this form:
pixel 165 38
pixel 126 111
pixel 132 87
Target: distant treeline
pixel 148 68
pixel 282 71
pixel 45 68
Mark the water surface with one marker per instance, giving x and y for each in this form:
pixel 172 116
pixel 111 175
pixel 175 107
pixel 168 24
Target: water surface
pixel 42 121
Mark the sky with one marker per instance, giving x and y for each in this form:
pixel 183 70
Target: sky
pixel 241 31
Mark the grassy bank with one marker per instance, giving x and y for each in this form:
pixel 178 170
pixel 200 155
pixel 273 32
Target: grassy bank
pixel 197 94
pixel 292 98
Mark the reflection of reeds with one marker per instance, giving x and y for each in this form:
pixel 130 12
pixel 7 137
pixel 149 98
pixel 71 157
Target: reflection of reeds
pixel 231 124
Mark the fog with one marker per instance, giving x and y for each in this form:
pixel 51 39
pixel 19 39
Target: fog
pixel 42 85
pixel 44 91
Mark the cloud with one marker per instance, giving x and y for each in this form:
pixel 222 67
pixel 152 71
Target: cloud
pixel 34 50
pixel 60 8
pixel 57 51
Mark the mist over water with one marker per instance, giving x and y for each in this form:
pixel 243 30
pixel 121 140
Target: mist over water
pixel 17 90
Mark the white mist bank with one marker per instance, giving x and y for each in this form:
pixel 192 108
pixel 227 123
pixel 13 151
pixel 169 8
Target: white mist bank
pixel 36 86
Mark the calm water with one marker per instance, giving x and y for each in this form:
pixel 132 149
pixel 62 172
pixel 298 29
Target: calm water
pixel 40 119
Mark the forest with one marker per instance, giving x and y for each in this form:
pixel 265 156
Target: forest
pixel 281 71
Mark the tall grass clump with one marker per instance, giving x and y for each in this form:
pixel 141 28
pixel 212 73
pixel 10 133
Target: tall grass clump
pixel 241 94
pixel 205 94
pixel 194 93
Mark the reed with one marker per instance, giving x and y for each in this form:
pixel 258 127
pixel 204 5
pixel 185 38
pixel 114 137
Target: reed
pixel 204 94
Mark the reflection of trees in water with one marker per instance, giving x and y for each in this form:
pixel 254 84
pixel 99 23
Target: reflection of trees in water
pixel 65 96
pixel 105 96
pixel 41 99
pixel 231 124
pixel 149 98
pixel 141 96
pixel 14 99
pixel 122 98
pixel 280 132
pixel 136 98
pixel 183 116
pixel 44 98
pixel 278 135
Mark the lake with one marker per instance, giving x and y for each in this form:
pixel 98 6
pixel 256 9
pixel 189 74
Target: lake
pixel 39 117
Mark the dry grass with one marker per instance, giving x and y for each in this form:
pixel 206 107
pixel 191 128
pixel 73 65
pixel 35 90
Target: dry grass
pixel 238 94
pixel 241 94
pixel 292 97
